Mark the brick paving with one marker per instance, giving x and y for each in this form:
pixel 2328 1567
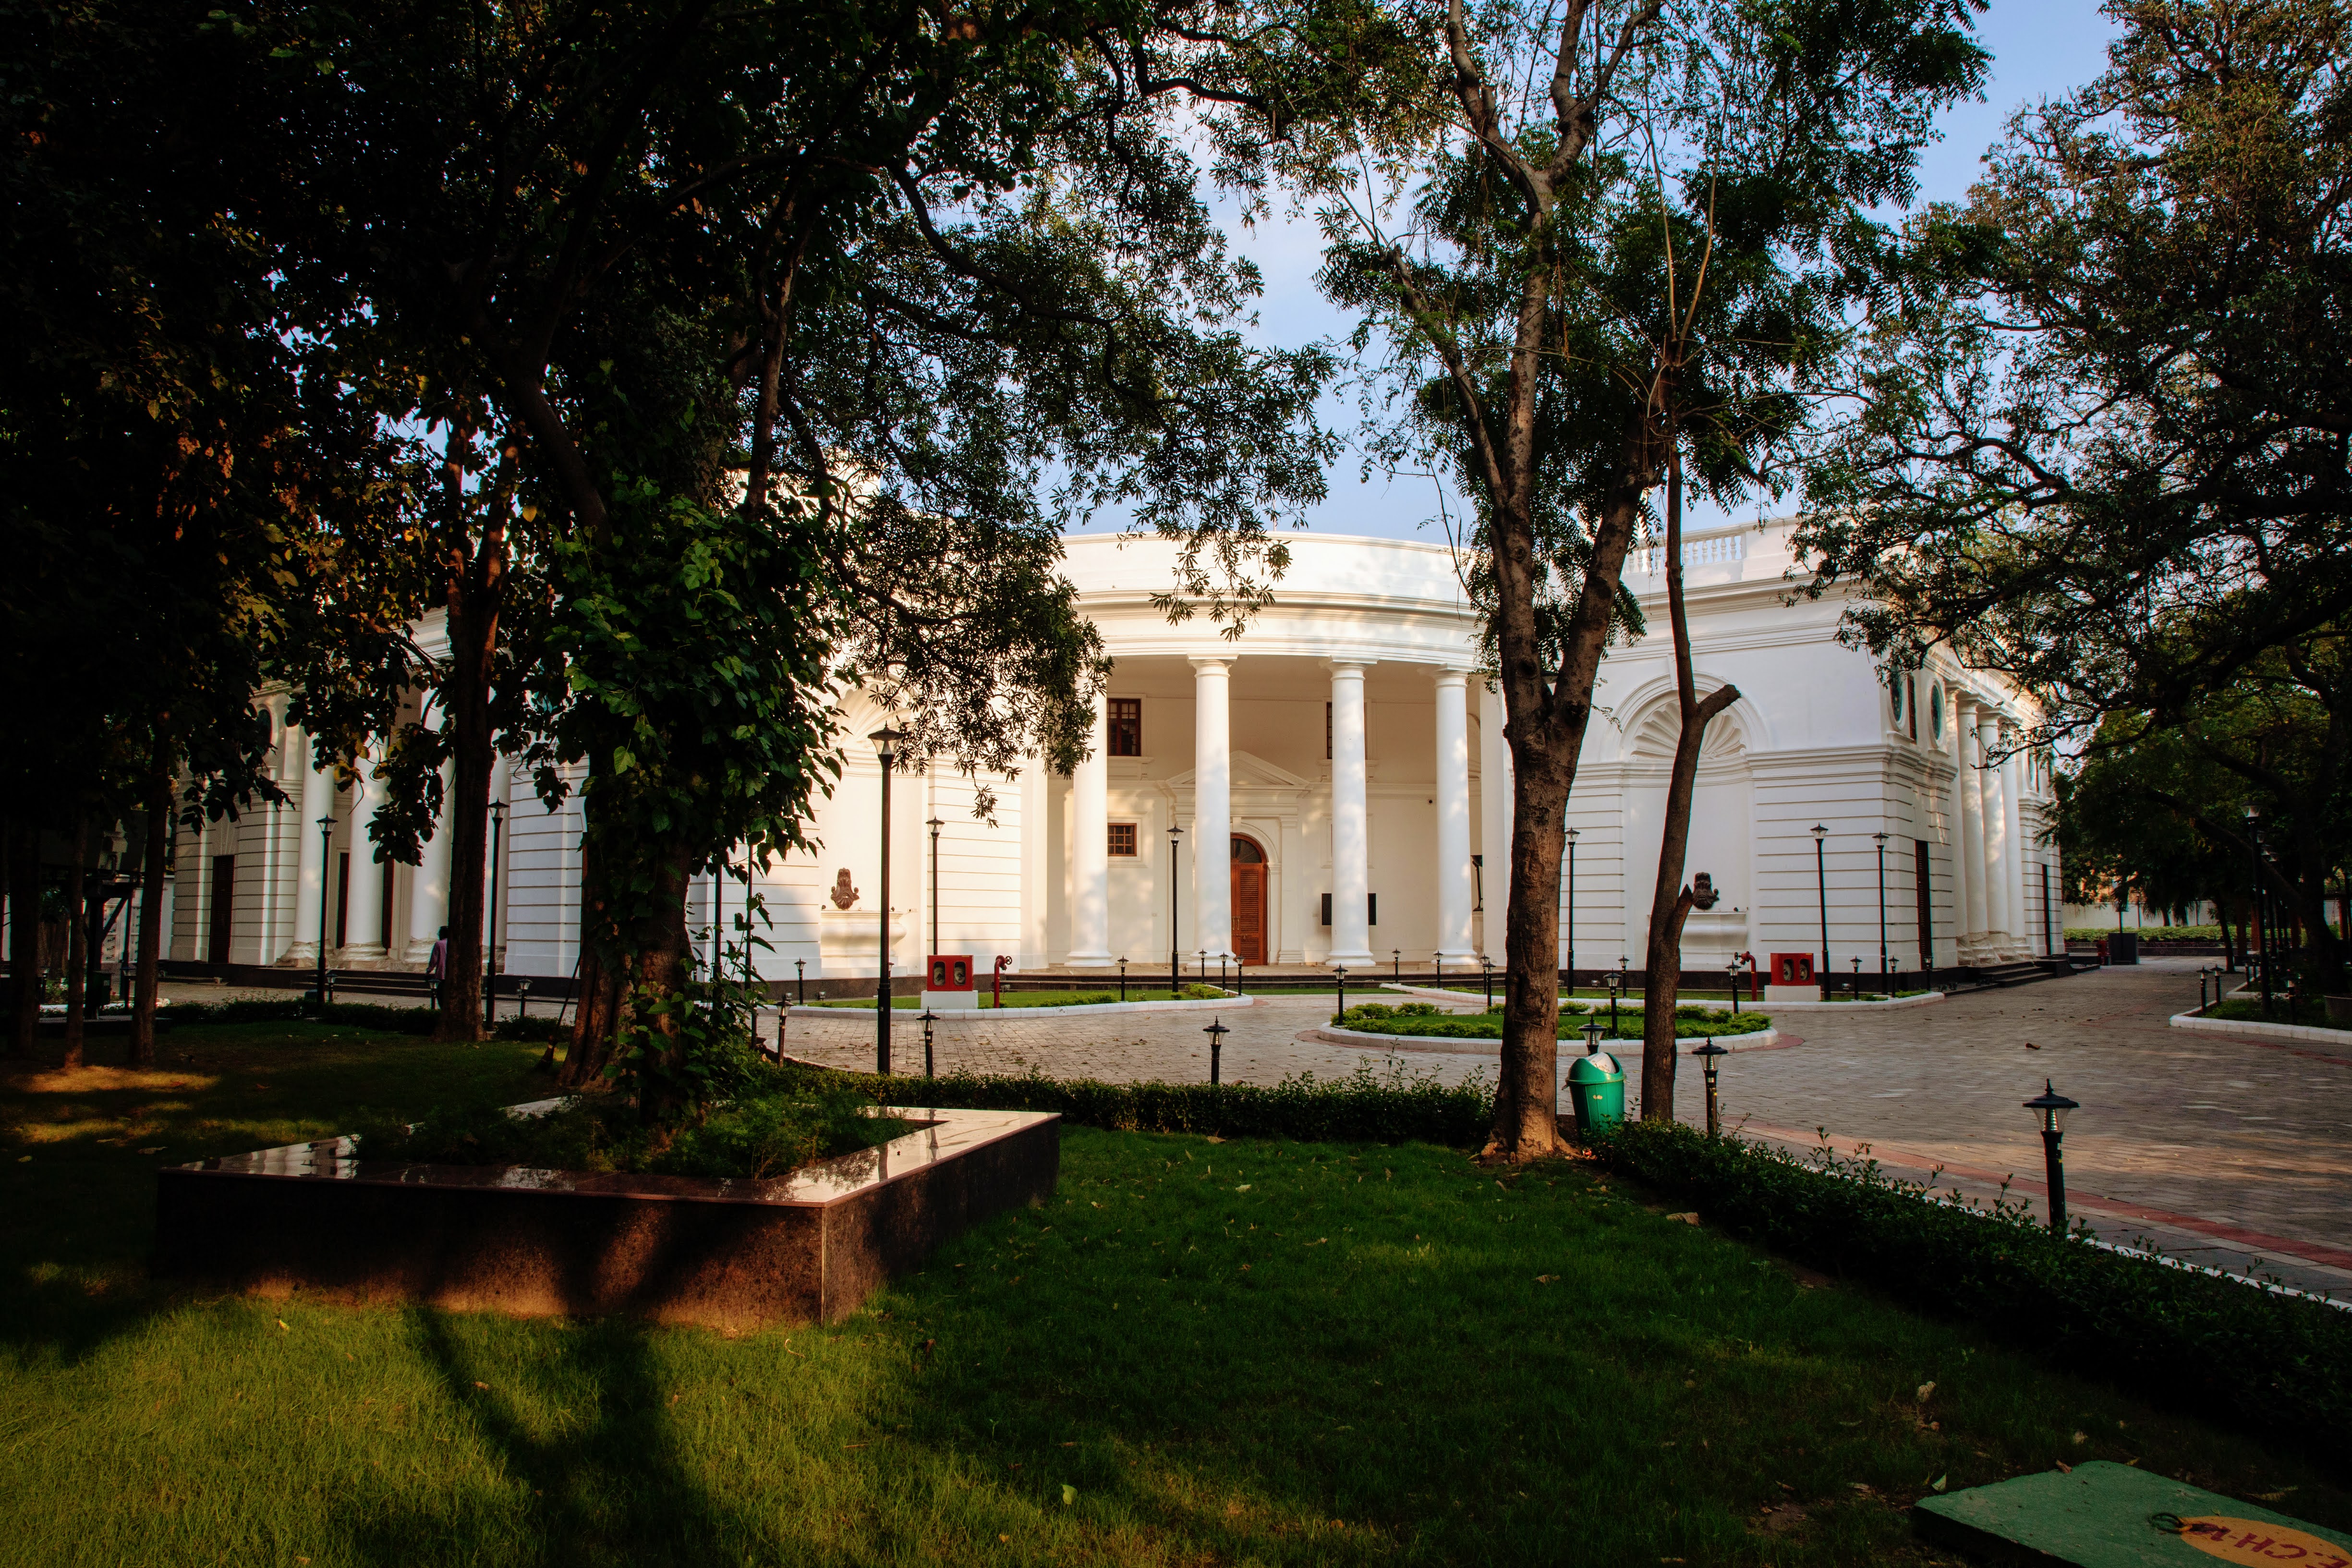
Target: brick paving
pixel 2224 1149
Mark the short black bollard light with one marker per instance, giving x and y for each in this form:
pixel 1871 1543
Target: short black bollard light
pixel 2050 1108
pixel 1857 977
pixel 1203 954
pixel 1396 964
pixel 1122 979
pixel 1487 968
pixel 522 999
pixel 1733 971
pixel 930 1018
pixel 1708 1055
pixel 1616 985
pixel 800 969
pixel 1341 971
pixel 1216 1031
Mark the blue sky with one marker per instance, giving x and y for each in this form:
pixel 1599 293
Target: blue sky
pixel 2038 51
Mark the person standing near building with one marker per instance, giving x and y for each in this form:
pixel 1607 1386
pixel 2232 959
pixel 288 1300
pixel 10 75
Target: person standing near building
pixel 437 964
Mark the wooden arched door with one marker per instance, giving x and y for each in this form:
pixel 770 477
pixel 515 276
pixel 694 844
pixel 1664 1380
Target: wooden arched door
pixel 1249 898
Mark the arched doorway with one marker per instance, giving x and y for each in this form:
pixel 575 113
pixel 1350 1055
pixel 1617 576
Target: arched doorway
pixel 1249 898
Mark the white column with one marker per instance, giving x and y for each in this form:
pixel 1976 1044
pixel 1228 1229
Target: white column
pixel 311 866
pixel 1212 808
pixel 1090 845
pixel 1454 882
pixel 2025 927
pixel 1999 845
pixel 364 927
pixel 1968 862
pixel 429 896
pixel 1351 846
pixel 1495 824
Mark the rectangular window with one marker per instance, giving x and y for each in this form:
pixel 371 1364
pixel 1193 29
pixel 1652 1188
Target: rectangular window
pixel 1327 741
pixel 1127 729
pixel 1122 839
pixel 1371 909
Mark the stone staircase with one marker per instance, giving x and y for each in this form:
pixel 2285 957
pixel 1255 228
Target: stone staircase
pixel 2020 972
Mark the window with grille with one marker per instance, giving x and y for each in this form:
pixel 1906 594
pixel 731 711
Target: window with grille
pixel 1127 729
pixel 1122 839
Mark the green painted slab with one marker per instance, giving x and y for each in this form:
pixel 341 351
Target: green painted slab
pixel 2103 1515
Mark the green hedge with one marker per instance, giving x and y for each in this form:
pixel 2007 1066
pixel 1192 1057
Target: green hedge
pixel 1691 1022
pixel 362 1015
pixel 2273 1362
pixel 1364 1107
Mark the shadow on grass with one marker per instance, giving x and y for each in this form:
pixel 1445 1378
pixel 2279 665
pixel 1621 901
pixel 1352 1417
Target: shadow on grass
pixel 618 1488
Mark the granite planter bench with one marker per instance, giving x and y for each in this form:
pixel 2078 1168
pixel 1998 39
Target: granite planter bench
pixel 806 1247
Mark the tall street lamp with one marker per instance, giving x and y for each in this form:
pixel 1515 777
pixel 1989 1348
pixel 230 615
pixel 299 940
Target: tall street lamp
pixel 1880 839
pixel 490 931
pixel 1571 912
pixel 326 859
pixel 2261 925
pixel 935 825
pixel 1821 886
pixel 886 743
pixel 1175 952
pixel 2050 1108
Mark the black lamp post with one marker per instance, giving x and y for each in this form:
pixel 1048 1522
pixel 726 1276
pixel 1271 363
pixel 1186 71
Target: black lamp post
pixel 1175 958
pixel 1341 971
pixel 886 742
pixel 1708 1055
pixel 1732 971
pixel 1616 985
pixel 1122 979
pixel 2050 1108
pixel 800 975
pixel 1821 886
pixel 1216 1031
pixel 491 930
pixel 326 860
pixel 935 825
pixel 1396 964
pixel 930 1018
pixel 1486 971
pixel 2261 925
pixel 1571 912
pixel 1880 839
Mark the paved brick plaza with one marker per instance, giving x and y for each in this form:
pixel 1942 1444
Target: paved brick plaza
pixel 2222 1149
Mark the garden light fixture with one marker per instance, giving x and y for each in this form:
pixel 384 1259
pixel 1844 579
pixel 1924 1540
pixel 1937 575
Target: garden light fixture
pixel 1880 839
pixel 1175 963
pixel 2050 1108
pixel 1708 1055
pixel 930 1018
pixel 1821 886
pixel 1216 1031
pixel 326 859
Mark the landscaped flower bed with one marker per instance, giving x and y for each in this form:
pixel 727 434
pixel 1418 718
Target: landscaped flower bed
pixel 1428 1019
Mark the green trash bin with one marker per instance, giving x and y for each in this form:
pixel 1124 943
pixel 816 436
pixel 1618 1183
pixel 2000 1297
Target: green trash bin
pixel 1596 1088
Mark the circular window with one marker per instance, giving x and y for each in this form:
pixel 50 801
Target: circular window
pixel 1936 711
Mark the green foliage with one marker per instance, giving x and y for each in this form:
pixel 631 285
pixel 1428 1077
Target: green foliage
pixel 1692 1021
pixel 2273 1363
pixel 2100 443
pixel 374 1015
pixel 548 1028
pixel 1398 1106
pixel 757 1135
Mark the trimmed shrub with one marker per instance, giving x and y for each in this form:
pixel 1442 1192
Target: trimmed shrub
pixel 1426 1018
pixel 1398 1107
pixel 361 1014
pixel 2270 1362
pixel 545 1028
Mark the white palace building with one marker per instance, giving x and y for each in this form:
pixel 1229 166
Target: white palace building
pixel 1342 786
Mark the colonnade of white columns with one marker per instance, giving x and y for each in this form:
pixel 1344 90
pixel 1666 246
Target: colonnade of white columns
pixel 1990 892
pixel 1211 829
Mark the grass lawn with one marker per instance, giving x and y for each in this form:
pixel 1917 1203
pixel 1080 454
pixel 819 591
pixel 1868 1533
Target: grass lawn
pixel 1018 999
pixel 2313 1012
pixel 1198 1352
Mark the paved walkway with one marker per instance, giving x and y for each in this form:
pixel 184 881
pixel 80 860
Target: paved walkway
pixel 2223 1150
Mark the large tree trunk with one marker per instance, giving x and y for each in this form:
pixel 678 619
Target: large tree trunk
pixel 601 981
pixel 665 965
pixel 76 944
pixel 24 937
pixel 151 910
pixel 472 591
pixel 1670 901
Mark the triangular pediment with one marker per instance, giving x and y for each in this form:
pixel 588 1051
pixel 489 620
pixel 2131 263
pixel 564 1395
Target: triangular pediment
pixel 1251 772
